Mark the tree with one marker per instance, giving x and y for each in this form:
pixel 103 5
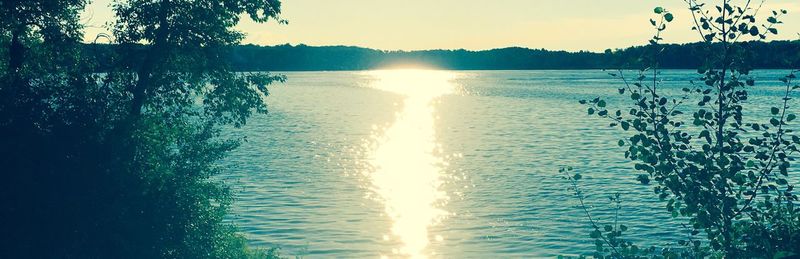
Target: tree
pixel 727 175
pixel 129 153
pixel 24 22
pixel 40 64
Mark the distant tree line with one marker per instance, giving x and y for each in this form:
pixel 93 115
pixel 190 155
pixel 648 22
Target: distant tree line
pixel 775 54
pixel 761 55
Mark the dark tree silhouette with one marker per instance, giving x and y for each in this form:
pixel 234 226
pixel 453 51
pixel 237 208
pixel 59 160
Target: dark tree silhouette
pixel 118 164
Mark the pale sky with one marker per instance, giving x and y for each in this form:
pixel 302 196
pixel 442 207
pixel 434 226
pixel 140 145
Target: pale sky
pixel 469 24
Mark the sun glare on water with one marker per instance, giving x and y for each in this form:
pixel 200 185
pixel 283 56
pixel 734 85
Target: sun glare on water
pixel 406 171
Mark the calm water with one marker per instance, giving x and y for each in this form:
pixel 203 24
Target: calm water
pixel 440 164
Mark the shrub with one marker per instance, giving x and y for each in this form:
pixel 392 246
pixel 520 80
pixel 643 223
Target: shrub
pixel 726 174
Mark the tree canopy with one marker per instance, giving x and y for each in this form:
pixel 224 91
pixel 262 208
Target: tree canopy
pixel 764 55
pixel 119 164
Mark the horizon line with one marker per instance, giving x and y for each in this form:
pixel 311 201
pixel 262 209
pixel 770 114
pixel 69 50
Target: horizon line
pixel 489 49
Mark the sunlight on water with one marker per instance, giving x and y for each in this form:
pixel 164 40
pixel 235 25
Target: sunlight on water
pixel 406 171
pixel 304 180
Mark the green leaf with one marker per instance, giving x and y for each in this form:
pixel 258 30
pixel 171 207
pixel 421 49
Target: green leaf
pixel 791 117
pixel 710 37
pixel 658 10
pixel 643 178
pixel 601 104
pixel 775 110
pixel 621 143
pixel 669 17
pixel 591 111
pixel 773 31
pixel 754 31
pixel 577 176
pixel 772 20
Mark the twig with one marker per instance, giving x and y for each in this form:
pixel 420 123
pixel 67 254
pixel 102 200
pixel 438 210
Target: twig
pixel 588 214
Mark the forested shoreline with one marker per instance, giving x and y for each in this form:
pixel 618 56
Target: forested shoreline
pixel 762 55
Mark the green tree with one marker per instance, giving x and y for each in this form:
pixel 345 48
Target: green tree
pixel 726 175
pixel 40 68
pixel 119 164
pixel 25 22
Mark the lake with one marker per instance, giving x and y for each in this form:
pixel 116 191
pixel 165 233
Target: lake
pixel 442 164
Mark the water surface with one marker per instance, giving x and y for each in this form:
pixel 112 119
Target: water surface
pixel 441 164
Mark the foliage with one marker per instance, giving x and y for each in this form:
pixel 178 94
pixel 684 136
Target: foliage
pixel 726 175
pixel 609 240
pixel 774 54
pixel 119 164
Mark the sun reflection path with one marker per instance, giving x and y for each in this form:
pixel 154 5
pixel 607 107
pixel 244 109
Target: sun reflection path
pixel 406 171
